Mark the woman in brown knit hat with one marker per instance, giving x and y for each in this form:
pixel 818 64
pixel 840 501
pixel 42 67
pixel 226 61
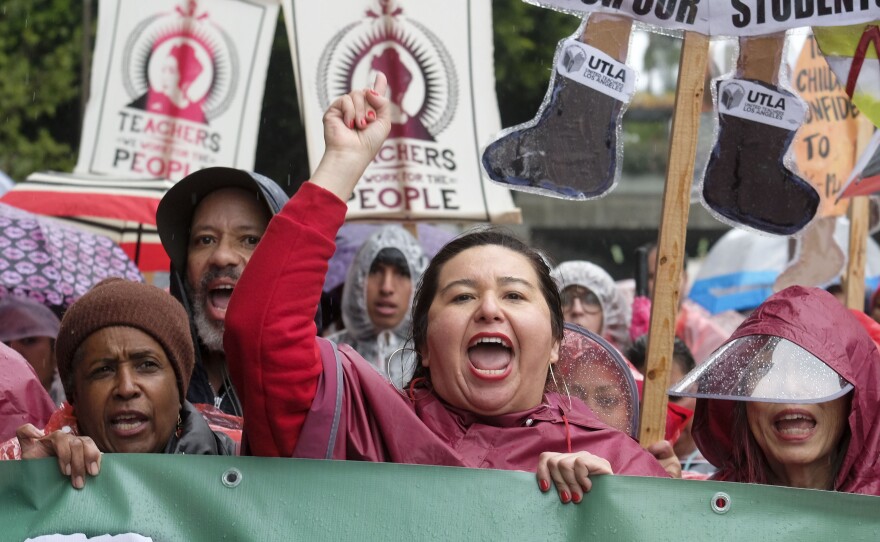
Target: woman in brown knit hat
pixel 125 357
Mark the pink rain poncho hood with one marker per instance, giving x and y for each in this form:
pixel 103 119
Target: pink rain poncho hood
pixel 616 312
pixel 814 320
pixel 22 397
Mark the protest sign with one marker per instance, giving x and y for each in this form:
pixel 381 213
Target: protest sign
pixel 177 86
pixel 824 147
pixel 438 60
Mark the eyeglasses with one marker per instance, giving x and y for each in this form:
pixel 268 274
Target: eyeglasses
pixel 589 301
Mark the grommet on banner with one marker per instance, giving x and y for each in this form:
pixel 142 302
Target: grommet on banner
pixel 231 477
pixel 721 503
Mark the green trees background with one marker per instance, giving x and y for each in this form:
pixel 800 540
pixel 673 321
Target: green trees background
pixel 41 83
pixel 40 47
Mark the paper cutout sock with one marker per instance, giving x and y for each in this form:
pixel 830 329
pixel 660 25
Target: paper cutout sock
pixel 746 180
pixel 571 149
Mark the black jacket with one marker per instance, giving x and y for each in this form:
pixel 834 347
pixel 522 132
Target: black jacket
pixel 196 437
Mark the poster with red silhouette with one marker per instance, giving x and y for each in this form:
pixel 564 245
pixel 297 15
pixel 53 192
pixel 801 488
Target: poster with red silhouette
pixel 177 86
pixel 438 60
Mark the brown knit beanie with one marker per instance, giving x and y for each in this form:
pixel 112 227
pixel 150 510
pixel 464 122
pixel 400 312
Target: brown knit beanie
pixel 118 302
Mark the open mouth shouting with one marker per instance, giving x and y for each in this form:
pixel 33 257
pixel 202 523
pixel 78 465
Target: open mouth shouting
pixel 490 356
pixel 794 425
pixel 128 424
pixel 219 292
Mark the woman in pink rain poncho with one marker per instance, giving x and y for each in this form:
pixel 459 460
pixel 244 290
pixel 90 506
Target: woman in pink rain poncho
pixel 792 398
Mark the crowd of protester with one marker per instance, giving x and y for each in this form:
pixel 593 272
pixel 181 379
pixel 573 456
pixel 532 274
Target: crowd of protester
pixel 482 357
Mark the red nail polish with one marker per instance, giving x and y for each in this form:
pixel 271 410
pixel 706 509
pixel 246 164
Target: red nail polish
pixel 371 115
pixel 362 123
pixel 577 498
pixel 351 124
pixel 544 485
pixel 565 497
pixel 373 92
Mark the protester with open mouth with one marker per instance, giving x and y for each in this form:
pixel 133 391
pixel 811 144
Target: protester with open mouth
pixel 210 223
pixel 125 356
pixel 792 398
pixel 376 299
pixel 487 326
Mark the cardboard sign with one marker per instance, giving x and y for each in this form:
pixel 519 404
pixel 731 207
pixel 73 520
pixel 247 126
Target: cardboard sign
pixel 438 60
pixel 177 86
pixel 824 147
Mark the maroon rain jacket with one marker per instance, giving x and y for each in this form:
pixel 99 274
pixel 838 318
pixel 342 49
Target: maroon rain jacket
pixel 22 398
pixel 303 397
pixel 814 320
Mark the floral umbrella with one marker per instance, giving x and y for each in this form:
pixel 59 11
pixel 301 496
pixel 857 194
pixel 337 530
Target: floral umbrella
pixel 52 263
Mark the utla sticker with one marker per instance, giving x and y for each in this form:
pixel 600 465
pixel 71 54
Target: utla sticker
pixel 593 68
pixel 752 101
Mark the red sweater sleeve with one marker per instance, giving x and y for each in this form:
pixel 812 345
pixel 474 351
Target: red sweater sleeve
pixel 270 331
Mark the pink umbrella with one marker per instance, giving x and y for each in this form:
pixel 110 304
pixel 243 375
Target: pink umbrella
pixel 52 263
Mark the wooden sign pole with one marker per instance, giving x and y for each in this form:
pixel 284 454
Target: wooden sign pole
pixel 673 231
pixel 854 282
pixel 859 216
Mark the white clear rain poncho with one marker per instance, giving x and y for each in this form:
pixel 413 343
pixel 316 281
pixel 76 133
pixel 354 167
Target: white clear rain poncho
pixel 592 370
pixel 763 368
pixel 383 349
pixel 616 312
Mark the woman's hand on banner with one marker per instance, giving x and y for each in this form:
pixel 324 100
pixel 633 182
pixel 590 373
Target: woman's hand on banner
pixel 355 127
pixel 570 473
pixel 77 456
pixel 665 455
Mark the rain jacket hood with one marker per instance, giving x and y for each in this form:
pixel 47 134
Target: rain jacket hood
pixel 593 371
pixel 814 320
pixel 22 397
pixel 173 220
pixel 616 313
pixel 175 211
pixel 360 333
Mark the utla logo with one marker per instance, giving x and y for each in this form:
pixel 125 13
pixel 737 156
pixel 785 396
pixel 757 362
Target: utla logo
pixel 773 101
pixel 181 65
pixel 422 81
pixel 573 58
pixel 732 95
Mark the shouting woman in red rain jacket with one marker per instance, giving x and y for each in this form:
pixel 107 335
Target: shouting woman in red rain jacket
pixel 487 325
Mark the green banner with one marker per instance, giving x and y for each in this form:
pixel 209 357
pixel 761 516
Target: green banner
pixel 192 498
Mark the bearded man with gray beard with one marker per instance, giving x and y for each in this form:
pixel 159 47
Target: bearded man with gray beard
pixel 210 223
